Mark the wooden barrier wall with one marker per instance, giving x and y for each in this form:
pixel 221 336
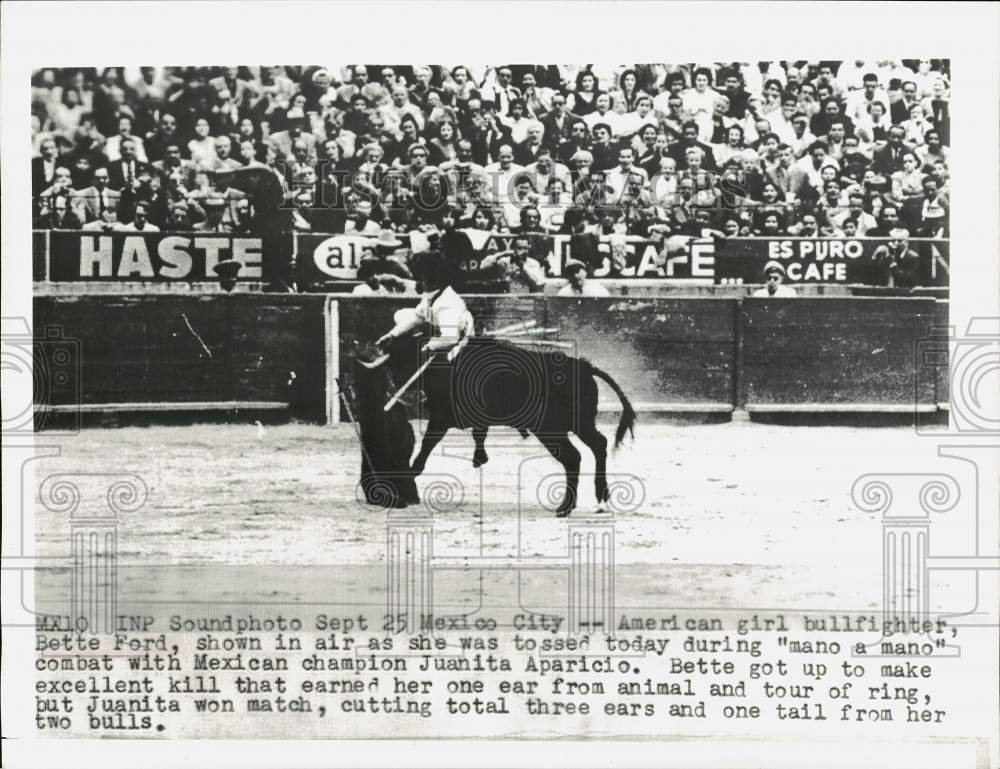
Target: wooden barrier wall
pixel 175 352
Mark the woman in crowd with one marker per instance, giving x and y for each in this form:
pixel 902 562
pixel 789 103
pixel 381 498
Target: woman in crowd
pixel 202 146
pixel 67 113
pixel 459 86
pixel 628 84
pixel 772 98
pixel 917 127
pixel 582 100
pixel 733 148
pixel 517 121
pixel 442 147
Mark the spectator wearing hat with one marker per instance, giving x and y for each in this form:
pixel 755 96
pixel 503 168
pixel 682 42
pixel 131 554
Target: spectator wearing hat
pixel 228 271
pixel 774 276
pixel 577 282
pixel 215 211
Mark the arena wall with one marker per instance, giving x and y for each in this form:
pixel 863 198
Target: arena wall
pixel 283 353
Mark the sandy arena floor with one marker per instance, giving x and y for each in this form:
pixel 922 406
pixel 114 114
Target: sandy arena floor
pixel 707 516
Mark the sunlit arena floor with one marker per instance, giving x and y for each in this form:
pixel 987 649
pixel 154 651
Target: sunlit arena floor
pixel 717 516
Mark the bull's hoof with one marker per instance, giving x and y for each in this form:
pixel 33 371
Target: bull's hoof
pixel 566 507
pixel 480 458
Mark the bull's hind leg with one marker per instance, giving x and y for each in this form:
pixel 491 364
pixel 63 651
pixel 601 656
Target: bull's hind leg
pixel 597 443
pixel 435 432
pixel 479 456
pixel 566 454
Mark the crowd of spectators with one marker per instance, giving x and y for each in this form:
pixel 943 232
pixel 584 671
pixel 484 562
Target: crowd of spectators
pixel 794 148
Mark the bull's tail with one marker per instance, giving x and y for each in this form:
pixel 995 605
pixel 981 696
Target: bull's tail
pixel 627 423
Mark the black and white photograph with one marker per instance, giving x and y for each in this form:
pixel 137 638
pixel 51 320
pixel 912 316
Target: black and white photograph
pixel 650 407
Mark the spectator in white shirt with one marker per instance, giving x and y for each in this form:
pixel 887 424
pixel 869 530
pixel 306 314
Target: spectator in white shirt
pixel 603 114
pixel 140 220
pixel 632 122
pixel 699 100
pixel 858 101
pixel 781 120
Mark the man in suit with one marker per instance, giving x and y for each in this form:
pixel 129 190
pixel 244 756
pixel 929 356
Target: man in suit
pixel 502 93
pixel 112 147
pixel 900 110
pixel 579 139
pixel 89 203
pixel 937 108
pixel 689 139
pixel 240 91
pixel 283 141
pixel 526 152
pixel 58 216
pixel 43 168
pixel 558 123
pixel 172 161
pixel 125 171
pixel 889 159
pixel 164 136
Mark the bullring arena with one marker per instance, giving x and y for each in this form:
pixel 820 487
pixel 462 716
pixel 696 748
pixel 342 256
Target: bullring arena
pixel 756 420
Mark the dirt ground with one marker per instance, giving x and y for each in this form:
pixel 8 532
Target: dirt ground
pixel 723 516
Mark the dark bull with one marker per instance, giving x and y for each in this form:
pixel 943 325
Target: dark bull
pixel 493 382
